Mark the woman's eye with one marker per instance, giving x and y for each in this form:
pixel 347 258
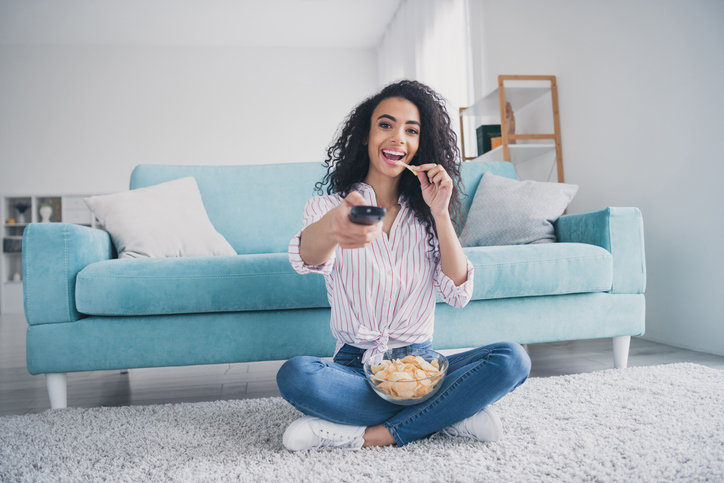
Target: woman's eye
pixel 413 131
pixel 384 125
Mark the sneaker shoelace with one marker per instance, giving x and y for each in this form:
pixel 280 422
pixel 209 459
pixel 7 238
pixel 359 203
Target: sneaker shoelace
pixel 327 439
pixel 460 429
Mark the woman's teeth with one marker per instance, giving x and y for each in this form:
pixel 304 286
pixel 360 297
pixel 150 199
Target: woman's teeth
pixel 393 155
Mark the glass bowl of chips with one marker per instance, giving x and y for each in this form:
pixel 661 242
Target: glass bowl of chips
pixel 407 376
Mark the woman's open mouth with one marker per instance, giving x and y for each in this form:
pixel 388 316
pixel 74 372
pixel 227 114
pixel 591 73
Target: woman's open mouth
pixel 392 156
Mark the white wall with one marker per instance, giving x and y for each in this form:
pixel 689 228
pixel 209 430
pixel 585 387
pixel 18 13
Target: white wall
pixel 78 119
pixel 641 97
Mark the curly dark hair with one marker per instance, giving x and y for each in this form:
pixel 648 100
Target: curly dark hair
pixel 348 161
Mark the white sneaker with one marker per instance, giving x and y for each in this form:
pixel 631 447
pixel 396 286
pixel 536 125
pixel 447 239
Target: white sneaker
pixel 309 432
pixel 484 426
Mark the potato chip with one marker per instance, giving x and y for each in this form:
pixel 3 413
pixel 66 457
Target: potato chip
pixel 400 376
pixel 426 366
pixel 404 390
pixel 420 391
pixel 381 366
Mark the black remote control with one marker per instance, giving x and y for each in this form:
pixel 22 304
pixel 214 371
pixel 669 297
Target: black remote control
pixel 366 215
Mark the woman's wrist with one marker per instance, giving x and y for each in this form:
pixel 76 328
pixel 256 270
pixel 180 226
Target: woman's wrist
pixel 318 241
pixel 442 217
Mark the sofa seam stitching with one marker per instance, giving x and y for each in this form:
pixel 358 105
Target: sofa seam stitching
pixel 537 294
pixel 26 285
pixel 547 261
pixel 141 314
pixel 183 278
pixel 642 256
pixel 611 214
pixel 67 271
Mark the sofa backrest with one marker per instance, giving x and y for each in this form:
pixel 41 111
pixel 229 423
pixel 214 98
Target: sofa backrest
pixel 472 172
pixel 258 208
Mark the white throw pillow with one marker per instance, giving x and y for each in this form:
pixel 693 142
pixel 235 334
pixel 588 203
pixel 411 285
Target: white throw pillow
pixel 165 220
pixel 510 212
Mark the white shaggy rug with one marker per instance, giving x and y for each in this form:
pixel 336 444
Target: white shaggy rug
pixel 660 423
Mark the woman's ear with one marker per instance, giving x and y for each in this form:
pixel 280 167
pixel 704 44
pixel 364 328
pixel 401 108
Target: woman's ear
pixel 365 140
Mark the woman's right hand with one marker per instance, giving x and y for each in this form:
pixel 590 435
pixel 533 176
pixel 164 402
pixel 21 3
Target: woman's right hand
pixel 321 238
pixel 348 234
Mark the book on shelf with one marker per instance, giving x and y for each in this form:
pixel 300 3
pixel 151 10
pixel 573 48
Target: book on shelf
pixel 12 244
pixel 484 135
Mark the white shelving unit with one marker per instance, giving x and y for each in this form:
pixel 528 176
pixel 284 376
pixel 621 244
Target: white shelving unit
pixel 521 92
pixel 66 208
pixel 519 153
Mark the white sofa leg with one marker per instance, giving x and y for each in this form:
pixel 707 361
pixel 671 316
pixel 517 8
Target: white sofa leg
pixel 57 390
pixel 620 351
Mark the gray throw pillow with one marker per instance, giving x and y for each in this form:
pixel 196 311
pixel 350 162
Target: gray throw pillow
pixel 511 212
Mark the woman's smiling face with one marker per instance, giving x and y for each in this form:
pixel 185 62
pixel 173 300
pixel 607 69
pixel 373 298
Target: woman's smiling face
pixel 394 135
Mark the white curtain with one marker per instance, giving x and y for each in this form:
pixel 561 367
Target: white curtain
pixel 429 41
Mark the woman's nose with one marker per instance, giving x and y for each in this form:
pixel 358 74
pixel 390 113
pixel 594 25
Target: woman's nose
pixel 397 137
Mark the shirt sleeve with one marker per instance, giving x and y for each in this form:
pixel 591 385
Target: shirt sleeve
pixel 314 210
pixel 457 296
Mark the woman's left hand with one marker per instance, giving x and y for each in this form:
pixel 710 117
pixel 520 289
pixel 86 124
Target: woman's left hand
pixel 437 187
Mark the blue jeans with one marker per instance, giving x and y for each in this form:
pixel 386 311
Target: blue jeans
pixel 338 391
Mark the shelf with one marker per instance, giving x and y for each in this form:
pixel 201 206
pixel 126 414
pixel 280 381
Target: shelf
pixel 518 152
pixel 518 93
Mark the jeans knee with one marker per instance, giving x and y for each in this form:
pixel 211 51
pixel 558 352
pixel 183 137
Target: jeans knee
pixel 517 362
pixel 294 375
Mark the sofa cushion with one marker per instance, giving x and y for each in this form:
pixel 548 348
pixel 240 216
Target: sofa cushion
pixel 542 269
pixel 157 286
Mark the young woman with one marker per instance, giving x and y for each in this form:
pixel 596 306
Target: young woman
pixel 381 281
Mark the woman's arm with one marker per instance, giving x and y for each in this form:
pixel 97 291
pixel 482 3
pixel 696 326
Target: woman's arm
pixel 320 239
pixel 437 187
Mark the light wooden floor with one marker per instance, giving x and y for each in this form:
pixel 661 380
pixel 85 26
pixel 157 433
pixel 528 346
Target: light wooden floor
pixel 21 393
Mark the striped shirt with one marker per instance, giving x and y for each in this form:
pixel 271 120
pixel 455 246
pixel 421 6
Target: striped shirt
pixel 383 295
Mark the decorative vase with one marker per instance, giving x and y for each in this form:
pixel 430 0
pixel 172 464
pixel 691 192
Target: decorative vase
pixel 510 120
pixel 21 206
pixel 45 213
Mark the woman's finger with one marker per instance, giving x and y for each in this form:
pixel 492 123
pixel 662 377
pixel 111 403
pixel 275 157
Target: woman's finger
pixel 355 198
pixel 424 181
pixel 438 176
pixel 352 235
pixel 426 167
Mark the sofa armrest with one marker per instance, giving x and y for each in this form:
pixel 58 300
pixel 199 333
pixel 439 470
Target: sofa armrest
pixel 618 230
pixel 53 254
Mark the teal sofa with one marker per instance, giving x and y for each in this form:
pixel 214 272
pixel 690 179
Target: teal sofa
pixel 87 310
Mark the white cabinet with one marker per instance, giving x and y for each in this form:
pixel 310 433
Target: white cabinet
pixel 17 212
pixel 525 94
